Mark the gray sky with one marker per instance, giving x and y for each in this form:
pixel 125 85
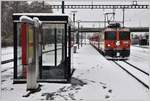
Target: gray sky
pixel 134 18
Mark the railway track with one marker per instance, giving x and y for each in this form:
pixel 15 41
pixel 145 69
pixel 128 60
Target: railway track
pixel 12 60
pixel 137 73
pixel 136 68
pixel 5 69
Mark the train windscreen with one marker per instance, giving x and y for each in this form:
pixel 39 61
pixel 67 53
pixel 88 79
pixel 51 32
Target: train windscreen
pixel 124 35
pixel 110 35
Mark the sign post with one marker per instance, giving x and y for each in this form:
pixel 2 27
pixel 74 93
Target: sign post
pixel 30 49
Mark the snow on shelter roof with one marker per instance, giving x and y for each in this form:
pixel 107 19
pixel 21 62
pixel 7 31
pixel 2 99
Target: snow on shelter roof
pixel 44 17
pixel 41 14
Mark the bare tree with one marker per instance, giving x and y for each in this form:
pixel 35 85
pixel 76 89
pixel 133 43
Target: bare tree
pixel 10 7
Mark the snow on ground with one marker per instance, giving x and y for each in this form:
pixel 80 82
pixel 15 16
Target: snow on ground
pixel 94 67
pixel 140 75
pixel 95 79
pixel 140 58
pixel 7 53
pixel 6 71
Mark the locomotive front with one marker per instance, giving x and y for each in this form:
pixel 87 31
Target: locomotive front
pixel 117 42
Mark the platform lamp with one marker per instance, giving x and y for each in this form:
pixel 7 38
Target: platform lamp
pixel 74 19
pixel 81 37
pixel 77 36
pixel 134 2
pixel 74 16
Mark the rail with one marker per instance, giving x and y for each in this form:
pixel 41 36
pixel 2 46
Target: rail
pixel 11 60
pixel 145 85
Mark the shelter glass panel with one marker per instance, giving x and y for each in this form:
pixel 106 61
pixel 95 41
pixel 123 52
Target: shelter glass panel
pixel 19 52
pixel 48 46
pixel 53 51
pixel 60 48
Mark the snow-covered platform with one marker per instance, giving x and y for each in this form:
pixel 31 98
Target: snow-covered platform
pixel 99 72
pixel 94 79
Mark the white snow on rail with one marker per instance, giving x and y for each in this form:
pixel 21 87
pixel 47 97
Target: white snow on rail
pixel 7 53
pixel 139 57
pixel 140 75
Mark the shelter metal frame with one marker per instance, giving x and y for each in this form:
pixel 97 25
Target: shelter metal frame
pixel 46 19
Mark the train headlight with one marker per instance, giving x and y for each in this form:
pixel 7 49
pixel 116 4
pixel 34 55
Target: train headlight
pixel 108 45
pixel 117 43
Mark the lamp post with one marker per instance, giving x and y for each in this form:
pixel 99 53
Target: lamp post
pixel 74 19
pixel 74 16
pixel 81 37
pixel 77 37
pixel 63 4
pixel 123 16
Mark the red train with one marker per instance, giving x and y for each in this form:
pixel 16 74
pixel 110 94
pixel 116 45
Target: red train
pixel 114 41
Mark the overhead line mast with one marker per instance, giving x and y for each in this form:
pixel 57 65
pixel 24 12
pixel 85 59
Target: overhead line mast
pixel 63 6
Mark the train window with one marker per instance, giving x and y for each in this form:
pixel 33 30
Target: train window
pixel 124 35
pixel 110 35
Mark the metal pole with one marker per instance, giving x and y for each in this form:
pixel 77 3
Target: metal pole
pixel 63 3
pixel 78 34
pixel 149 33
pixel 55 36
pixel 74 22
pixel 81 39
pixel 123 16
pixel 104 20
pixel 85 38
pixel 15 50
pixel 69 67
pixel 43 3
pixel 74 18
pixel 113 14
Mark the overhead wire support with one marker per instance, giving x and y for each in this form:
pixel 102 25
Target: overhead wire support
pixel 123 16
pixel 100 6
pixel 62 6
pixel 92 21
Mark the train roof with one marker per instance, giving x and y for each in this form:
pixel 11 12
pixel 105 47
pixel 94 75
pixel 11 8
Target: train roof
pixel 119 29
pixel 114 25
